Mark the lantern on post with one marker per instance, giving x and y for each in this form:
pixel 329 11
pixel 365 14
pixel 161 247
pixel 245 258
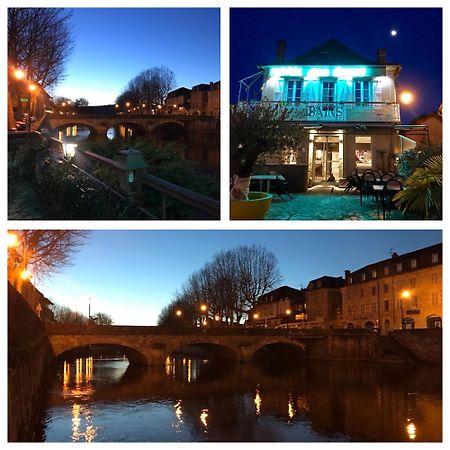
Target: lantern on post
pixel 131 161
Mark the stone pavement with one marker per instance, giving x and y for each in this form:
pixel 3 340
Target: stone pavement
pixel 327 203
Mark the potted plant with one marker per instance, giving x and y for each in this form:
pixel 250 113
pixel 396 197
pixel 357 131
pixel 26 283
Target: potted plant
pixel 257 129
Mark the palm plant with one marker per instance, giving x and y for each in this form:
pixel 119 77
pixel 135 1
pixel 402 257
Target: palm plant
pixel 423 190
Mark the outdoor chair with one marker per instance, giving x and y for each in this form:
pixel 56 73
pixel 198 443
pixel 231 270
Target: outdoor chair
pixel 367 182
pixel 279 187
pixel 352 181
pixel 391 187
pixel 386 177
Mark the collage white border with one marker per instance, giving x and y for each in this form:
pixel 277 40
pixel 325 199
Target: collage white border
pixel 224 223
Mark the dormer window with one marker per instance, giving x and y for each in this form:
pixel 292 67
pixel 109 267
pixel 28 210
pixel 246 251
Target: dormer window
pixel 294 90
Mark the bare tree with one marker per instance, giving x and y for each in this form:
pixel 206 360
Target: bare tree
pixel 230 285
pixel 63 314
pixel 150 87
pixel 79 102
pixel 44 251
pixel 103 319
pixel 40 42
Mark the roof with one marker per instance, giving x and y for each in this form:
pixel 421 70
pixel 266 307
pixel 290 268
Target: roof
pixel 179 91
pixel 325 282
pixel 333 53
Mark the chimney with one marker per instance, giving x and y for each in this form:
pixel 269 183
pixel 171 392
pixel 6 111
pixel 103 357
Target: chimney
pixel 347 274
pixel 394 255
pixel 281 48
pixel 381 56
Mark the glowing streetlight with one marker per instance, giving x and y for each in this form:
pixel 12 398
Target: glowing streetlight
pixel 127 104
pixel 19 74
pixel 116 105
pixel 25 274
pixel 203 308
pixel 406 97
pixel 406 294
pixel 179 313
pixel 255 316
pixel 13 240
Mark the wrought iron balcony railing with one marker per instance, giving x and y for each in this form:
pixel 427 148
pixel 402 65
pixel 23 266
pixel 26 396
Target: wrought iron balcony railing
pixel 343 111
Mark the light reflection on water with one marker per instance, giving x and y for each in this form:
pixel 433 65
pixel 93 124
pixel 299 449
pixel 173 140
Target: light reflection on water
pixel 93 400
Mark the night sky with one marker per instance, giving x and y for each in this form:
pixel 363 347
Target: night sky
pixel 112 45
pixel 417 47
pixel 132 275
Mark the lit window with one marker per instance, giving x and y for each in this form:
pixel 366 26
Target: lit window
pixel 434 258
pixel 386 270
pixel 399 267
pixel 362 91
pixel 374 273
pixel 413 263
pixel 350 280
pixel 294 90
pixel 363 277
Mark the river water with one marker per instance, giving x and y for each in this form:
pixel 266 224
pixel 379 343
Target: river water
pixel 193 400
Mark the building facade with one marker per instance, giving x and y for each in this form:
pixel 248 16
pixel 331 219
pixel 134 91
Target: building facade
pixel 323 301
pixel 346 104
pixel 404 291
pixel 179 100
pixel 282 305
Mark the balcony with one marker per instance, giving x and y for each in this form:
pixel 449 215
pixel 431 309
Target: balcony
pixel 378 112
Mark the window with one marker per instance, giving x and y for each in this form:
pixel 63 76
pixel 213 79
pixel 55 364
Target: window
pixel 399 267
pixel 434 258
pixel 386 288
pixel 363 277
pixel 374 308
pixel 374 273
pixel 386 305
pixel 362 91
pixel 349 310
pixel 328 91
pixel 350 280
pixel 374 290
pixel 413 263
pixel 363 310
pixel 386 270
pixel 294 90
pixel 435 298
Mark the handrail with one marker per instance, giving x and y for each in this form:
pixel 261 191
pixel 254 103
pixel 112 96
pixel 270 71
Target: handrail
pixel 198 201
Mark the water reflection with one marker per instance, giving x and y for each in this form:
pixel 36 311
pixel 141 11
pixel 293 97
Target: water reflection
pixel 196 400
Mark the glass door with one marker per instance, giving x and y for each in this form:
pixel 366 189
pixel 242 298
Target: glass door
pixel 326 159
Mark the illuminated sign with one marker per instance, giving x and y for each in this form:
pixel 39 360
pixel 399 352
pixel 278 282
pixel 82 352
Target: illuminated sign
pixel 317 111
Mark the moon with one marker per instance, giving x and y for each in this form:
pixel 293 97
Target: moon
pixel 393 33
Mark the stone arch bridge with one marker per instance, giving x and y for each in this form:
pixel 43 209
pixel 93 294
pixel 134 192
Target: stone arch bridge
pixel 143 125
pixel 152 345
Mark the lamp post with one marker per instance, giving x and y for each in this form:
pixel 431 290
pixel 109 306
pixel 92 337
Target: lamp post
pixel 404 296
pixel 288 314
pixel 31 87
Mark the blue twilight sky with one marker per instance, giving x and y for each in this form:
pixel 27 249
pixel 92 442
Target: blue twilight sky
pixel 132 275
pixel 112 45
pixel 417 46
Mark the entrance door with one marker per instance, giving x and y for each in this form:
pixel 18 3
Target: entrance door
pixel 326 161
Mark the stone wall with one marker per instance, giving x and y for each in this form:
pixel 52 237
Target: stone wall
pixel 425 344
pixel 29 356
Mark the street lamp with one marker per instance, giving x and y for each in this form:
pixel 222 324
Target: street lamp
pixel 13 240
pixel 288 314
pixel 405 295
pixel 406 97
pixel 179 313
pixel 19 74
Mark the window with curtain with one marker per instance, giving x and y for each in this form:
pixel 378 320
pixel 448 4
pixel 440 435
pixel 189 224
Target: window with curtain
pixel 294 90
pixel 362 91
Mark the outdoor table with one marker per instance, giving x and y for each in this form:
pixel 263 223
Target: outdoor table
pixel 267 179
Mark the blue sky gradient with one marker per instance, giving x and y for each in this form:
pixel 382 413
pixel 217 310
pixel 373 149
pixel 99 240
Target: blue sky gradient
pixel 132 275
pixel 113 45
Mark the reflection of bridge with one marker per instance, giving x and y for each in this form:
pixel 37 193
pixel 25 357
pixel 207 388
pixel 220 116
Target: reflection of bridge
pixel 142 125
pixel 152 345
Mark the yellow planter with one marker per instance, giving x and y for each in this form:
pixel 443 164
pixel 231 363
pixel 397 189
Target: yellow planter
pixel 255 208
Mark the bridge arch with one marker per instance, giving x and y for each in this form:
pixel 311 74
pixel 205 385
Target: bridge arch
pixel 278 349
pixel 170 129
pixel 71 130
pixel 128 129
pixel 61 347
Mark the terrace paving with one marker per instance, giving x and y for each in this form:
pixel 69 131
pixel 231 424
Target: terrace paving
pixel 327 203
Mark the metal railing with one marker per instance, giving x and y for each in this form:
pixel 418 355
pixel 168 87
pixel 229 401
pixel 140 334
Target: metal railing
pixel 207 206
pixel 342 111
